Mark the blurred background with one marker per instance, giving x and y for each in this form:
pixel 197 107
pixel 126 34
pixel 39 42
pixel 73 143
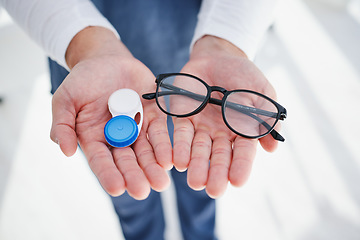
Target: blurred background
pixel 308 189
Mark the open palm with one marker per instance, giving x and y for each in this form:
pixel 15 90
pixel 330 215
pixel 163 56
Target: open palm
pixel 204 136
pixel 80 113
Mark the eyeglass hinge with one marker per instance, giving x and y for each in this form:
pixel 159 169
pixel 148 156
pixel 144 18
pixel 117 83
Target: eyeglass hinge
pixel 282 116
pixel 149 96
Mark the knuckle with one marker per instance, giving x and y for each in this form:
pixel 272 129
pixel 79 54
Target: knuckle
pixel 202 143
pixel 145 153
pixel 217 167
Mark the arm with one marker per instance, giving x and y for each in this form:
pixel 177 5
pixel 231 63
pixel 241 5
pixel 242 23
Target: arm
pixel 53 24
pixel 100 64
pixel 240 22
pixel 227 33
pixel 204 136
pixel 79 38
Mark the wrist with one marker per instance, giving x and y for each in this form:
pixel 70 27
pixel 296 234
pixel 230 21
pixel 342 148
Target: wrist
pixel 91 42
pixel 211 46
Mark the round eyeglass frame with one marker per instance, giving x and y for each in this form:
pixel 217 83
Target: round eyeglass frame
pixel 280 115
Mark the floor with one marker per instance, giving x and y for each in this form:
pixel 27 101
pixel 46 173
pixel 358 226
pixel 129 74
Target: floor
pixel 307 189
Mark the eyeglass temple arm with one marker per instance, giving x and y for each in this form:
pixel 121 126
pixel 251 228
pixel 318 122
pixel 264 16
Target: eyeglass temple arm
pixel 199 97
pixel 241 108
pixel 246 110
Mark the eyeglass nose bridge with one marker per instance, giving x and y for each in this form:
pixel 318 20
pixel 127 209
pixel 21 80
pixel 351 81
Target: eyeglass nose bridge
pixel 218 89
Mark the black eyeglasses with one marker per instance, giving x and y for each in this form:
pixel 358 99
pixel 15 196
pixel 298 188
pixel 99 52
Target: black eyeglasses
pixel 247 113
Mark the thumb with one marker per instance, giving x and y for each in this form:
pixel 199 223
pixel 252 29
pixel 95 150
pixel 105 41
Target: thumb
pixel 63 126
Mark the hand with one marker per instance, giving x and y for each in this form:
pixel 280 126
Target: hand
pixel 101 64
pixel 205 136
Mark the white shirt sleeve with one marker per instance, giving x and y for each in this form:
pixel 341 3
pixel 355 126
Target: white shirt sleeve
pixel 54 23
pixel 241 22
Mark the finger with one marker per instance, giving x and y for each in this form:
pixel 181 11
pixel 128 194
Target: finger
pixel 63 127
pixel 183 136
pixel 199 164
pixel 244 151
pixel 160 142
pixel 219 167
pixel 268 143
pixel 102 164
pixel 155 174
pixel 135 181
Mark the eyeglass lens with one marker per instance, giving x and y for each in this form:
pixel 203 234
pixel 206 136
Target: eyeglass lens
pixel 184 94
pixel 250 114
pixel 245 112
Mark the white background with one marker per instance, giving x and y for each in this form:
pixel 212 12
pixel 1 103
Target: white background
pixel 308 189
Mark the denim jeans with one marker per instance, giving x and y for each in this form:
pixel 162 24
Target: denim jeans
pixel 158 33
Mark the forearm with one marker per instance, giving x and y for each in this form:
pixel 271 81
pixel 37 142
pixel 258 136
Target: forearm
pixel 53 24
pixel 210 45
pixel 241 22
pixel 94 42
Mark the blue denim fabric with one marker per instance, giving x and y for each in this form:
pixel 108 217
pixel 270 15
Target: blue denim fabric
pixel 158 33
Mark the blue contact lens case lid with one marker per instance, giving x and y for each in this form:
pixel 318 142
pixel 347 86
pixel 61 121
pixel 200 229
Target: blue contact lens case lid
pixel 121 131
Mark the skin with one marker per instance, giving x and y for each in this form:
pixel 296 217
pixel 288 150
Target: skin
pixel 100 64
pixel 205 136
